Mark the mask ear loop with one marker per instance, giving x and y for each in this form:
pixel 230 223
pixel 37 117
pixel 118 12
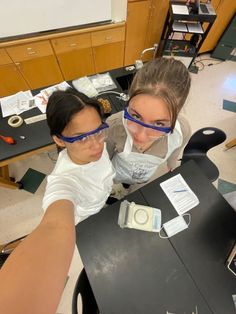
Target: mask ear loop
pixel 189 221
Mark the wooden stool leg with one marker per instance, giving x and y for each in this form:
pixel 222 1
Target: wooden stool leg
pixel 231 144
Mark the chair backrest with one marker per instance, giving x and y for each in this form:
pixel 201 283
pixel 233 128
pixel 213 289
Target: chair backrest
pixel 204 139
pixel 83 288
pixel 200 142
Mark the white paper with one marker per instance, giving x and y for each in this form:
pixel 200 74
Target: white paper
pixel 84 85
pixel 195 28
pixel 102 82
pixel 179 194
pixel 179 27
pixel 180 9
pixel 41 99
pixel 11 105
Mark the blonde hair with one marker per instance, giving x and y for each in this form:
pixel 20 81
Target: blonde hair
pixel 165 78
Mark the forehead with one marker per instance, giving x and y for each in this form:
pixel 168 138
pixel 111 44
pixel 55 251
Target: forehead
pixel 150 107
pixel 84 121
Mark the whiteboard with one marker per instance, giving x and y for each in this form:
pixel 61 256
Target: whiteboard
pixel 20 17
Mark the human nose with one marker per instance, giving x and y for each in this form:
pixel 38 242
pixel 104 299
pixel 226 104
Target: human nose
pixel 141 135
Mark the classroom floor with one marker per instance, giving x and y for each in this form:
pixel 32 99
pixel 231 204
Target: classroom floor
pixel 213 86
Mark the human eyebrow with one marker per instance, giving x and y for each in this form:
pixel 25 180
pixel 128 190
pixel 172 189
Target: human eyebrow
pixel 154 121
pixel 136 112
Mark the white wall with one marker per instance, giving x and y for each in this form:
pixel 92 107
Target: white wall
pixel 119 10
pixel 19 17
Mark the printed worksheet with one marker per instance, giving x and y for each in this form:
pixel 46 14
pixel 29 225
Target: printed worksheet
pixel 41 99
pixel 179 194
pixel 16 104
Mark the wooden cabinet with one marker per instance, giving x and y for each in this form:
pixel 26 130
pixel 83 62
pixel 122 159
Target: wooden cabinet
pixel 11 81
pixel 75 56
pixel 136 30
pixel 225 10
pixel 37 63
pixel 158 13
pixel 91 52
pixel 31 63
pixel 145 22
pixel 108 49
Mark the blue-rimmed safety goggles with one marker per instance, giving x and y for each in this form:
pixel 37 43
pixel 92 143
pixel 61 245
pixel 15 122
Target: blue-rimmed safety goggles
pixel 83 137
pixel 156 128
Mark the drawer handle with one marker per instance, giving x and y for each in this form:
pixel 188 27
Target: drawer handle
pixel 31 52
pixel 73 45
pixel 108 37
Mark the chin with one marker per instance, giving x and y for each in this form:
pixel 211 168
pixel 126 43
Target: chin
pixel 139 142
pixel 96 157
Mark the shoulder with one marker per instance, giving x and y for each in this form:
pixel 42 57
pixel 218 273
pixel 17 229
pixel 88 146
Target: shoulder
pixel 116 128
pixel 64 164
pixel 115 119
pixel 185 128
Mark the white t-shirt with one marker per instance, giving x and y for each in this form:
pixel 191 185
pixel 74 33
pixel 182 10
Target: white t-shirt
pixel 87 186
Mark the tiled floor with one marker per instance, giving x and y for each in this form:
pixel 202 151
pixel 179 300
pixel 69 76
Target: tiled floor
pixel 20 211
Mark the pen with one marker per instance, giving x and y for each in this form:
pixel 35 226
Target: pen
pixel 176 191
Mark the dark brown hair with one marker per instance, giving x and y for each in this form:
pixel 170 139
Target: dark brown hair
pixel 63 105
pixel 165 78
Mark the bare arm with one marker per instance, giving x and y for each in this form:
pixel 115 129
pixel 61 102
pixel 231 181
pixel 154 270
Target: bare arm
pixel 33 277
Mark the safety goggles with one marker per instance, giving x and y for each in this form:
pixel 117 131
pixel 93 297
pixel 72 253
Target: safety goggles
pixel 98 135
pixel 148 126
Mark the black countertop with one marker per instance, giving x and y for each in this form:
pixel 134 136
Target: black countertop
pixel 37 134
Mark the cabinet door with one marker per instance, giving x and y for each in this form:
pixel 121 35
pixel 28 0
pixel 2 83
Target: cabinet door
pixel 40 72
pixel 108 57
pixel 37 63
pixel 108 48
pixel 4 58
pixel 11 81
pixel 225 10
pixel 158 14
pixel 74 54
pixel 76 63
pixel 136 30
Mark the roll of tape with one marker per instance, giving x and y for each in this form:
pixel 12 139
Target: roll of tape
pixel 15 121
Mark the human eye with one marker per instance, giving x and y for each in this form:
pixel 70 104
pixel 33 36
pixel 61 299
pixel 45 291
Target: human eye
pixel 83 139
pixel 162 124
pixel 159 123
pixel 136 116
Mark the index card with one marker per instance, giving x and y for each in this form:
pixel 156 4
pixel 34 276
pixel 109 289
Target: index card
pixel 180 9
pixel 179 194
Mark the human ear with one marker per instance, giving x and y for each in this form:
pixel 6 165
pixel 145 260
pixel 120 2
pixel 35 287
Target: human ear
pixel 58 141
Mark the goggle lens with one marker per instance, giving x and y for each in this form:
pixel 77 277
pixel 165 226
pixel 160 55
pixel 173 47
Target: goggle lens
pixel 98 134
pixel 152 131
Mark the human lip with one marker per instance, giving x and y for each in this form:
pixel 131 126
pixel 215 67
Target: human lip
pixel 97 155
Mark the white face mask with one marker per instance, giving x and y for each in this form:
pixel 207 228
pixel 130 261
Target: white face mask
pixel 174 226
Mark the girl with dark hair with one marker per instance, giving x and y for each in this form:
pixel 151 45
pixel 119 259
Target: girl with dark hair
pixel 150 132
pixel 83 173
pixel 77 188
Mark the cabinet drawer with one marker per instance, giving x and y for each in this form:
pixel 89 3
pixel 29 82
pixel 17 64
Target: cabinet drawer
pixel 29 51
pixel 69 43
pixel 108 36
pixel 4 58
